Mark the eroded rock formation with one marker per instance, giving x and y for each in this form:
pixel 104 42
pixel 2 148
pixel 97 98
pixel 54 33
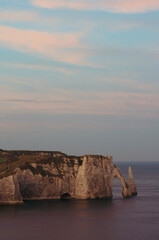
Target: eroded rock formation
pixel 131 182
pixel 30 175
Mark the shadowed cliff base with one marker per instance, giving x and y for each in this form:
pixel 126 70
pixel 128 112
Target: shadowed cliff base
pixel 33 175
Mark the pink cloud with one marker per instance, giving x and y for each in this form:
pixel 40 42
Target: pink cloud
pixel 125 6
pixel 26 16
pixel 59 46
pixel 16 16
pixel 36 18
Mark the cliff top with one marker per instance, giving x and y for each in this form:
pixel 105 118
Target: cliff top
pixel 12 159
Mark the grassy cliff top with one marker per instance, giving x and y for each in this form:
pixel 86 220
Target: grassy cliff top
pixel 10 160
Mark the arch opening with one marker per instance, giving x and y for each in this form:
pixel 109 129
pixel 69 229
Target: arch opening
pixel 117 188
pixel 117 174
pixel 65 196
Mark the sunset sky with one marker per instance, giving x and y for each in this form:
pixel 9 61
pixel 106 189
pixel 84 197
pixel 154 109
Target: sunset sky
pixel 80 77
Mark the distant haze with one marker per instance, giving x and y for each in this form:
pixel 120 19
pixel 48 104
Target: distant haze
pixel 81 77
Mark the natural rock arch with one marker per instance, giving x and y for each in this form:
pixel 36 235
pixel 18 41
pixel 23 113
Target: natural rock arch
pixel 117 174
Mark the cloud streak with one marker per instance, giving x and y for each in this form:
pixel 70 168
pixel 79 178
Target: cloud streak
pixel 37 67
pixel 10 16
pixel 27 16
pixel 123 6
pixel 61 47
pixel 19 16
pixel 60 101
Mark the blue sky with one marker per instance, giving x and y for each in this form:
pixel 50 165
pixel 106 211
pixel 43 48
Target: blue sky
pixel 80 77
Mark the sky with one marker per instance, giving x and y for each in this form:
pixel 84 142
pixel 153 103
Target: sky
pixel 80 77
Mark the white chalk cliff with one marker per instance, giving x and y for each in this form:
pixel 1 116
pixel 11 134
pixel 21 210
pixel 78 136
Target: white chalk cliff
pixel 54 175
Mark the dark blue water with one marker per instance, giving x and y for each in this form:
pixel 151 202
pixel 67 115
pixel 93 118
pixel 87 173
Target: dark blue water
pixel 118 219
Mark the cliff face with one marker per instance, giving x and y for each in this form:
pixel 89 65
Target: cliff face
pixel 54 175
pixel 9 191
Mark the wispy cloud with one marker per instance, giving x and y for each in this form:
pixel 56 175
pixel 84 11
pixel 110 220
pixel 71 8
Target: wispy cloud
pixel 124 6
pixel 60 101
pixel 18 16
pixel 36 18
pixel 37 67
pixel 63 47
pixel 26 16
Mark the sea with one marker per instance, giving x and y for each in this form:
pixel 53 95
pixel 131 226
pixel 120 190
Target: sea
pixel 136 218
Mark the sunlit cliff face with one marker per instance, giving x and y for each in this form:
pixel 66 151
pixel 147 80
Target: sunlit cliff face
pixel 30 175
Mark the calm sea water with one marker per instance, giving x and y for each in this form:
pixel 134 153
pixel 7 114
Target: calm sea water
pixel 118 219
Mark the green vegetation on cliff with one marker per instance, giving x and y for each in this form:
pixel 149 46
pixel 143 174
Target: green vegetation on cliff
pixel 10 160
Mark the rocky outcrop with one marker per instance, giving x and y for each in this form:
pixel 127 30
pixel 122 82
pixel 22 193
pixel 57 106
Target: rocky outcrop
pixel 131 182
pixel 54 175
pixel 9 191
